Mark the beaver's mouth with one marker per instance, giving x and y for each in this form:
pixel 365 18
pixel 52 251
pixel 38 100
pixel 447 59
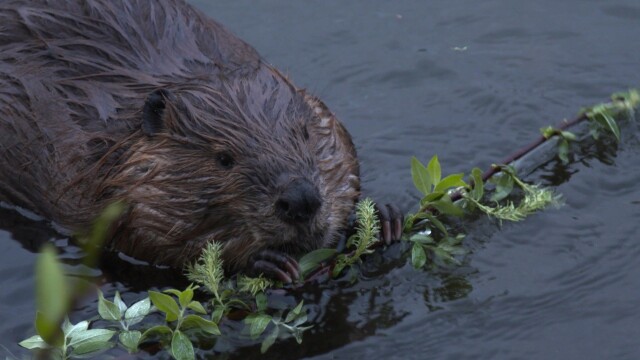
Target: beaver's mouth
pixel 294 238
pixel 267 232
pixel 299 242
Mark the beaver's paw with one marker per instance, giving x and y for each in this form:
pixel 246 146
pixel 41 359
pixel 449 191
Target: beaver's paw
pixel 274 265
pixel 391 222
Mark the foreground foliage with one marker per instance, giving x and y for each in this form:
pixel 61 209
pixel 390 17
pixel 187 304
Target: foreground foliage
pixel 184 317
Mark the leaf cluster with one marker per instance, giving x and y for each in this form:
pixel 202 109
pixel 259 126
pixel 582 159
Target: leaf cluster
pixel 367 229
pixel 208 272
pixel 430 237
pixel 563 143
pixel 436 203
pixel 535 198
pixel 290 325
pixel 602 116
pixel 435 190
pixel 117 311
pixel 77 341
pixel 254 285
pixel 176 310
pixel 54 294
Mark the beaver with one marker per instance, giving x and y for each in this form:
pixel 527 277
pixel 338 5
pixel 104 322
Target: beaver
pixel 156 105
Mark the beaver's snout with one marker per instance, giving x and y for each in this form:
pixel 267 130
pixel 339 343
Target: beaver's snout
pixel 298 202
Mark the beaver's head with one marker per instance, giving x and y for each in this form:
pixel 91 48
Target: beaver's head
pixel 250 162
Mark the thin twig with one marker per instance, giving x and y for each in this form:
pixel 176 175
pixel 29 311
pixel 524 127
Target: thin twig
pixel 491 171
pixel 326 266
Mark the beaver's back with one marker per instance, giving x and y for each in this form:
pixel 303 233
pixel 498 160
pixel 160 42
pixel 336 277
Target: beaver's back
pixel 73 75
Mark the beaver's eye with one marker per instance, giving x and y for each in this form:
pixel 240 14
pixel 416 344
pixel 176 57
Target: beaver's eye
pixel 225 160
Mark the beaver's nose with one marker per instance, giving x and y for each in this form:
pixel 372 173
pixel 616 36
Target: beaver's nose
pixel 298 202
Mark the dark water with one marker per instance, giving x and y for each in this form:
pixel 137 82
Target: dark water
pixel 471 81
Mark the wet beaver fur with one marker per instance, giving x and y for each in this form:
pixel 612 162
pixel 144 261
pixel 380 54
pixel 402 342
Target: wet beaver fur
pixel 154 104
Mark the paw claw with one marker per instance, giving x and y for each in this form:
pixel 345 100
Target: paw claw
pixel 274 265
pixel 391 222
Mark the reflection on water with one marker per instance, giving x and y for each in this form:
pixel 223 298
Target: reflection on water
pixel 562 284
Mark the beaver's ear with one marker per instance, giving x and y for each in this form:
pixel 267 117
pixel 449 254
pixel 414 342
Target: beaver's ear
pixel 153 111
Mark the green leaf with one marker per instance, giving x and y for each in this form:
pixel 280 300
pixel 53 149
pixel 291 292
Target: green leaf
pixel 548 131
pixel 173 292
pixel 420 175
pixel 71 330
pixel 208 270
pixel 503 187
pixel 160 331
pixel 438 224
pixel 166 304
pixel 337 269
pixel 301 319
pixel 227 293
pixel 257 324
pixel 445 206
pixel 100 228
pixel 478 184
pixel 610 123
pixel 138 311
pixel 253 285
pixel 418 256
pixel 269 340
pixel 261 301
pixel 49 330
pixel 130 340
pixel 107 309
pixel 52 295
pixel 594 130
pixel 91 336
pixel 90 347
pixel 298 309
pixel 434 170
pixel 631 97
pixel 297 333
pixel 195 321
pixel 34 342
pixel 445 256
pixel 185 297
pixel 409 221
pixel 311 260
pixel 451 181
pixel 181 347
pixel 118 301
pixel 563 151
pixel 339 265
pixel 456 250
pixel 434 196
pixel 568 135
pixel 67 326
pixel 508 169
pixel 453 241
pixel 90 341
pixel 197 307
pixel 422 239
pixel 217 314
pixel 295 313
